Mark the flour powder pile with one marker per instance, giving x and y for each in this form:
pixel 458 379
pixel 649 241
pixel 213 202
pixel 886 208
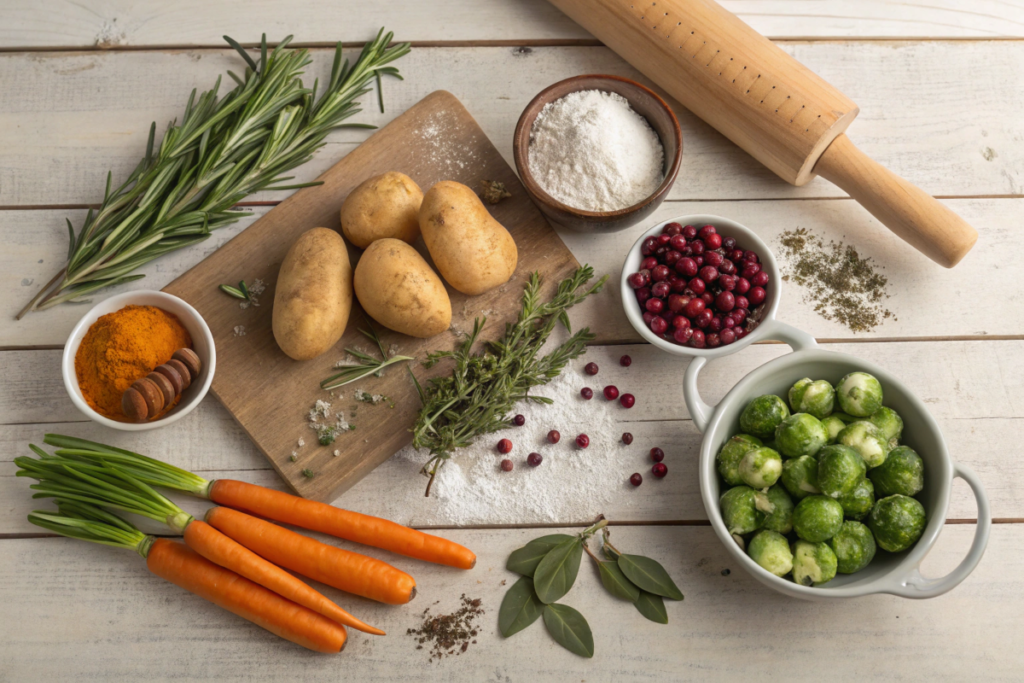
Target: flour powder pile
pixel 591 151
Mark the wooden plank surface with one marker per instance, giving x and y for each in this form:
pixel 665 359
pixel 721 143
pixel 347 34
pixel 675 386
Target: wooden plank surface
pixel 106 24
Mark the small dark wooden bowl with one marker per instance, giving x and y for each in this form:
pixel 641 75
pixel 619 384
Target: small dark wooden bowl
pixel 645 102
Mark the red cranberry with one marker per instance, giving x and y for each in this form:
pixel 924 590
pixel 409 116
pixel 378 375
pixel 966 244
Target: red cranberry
pixel 729 243
pixel 760 280
pixel 704 319
pixel 728 321
pixel 725 301
pixel 660 290
pixel 627 438
pixel 743 301
pixel 738 315
pixel 658 325
pixel 697 285
pixel 689 232
pixel 554 436
pixel 682 334
pixel 716 324
pixel 662 250
pixel 708 298
pixel 680 321
pixel 642 295
pixel 654 305
pixel 627 400
pixel 657 455
pixel 626 361
pixel 590 368
pixel 659 273
pixel 740 332
pixel 504 446
pixel 678 285
pixel 648 263
pixel 706 231
pixel 712 340
pixel 635 479
pixel 534 459
pixel 713 258
pixel 677 302
pixel 750 270
pixel 649 245
pixel 736 255
pixel 636 280
pixel 663 239
pixel 713 241
pixel 506 465
pixel 694 308
pixel 742 285
pixel 678 242
pixel 727 268
pixel 751 256
pixel 648 317
pixel 686 266
pixel 611 392
pixel 757 296
pixel 671 258
pixel 659 470
pixel 697 340
pixel 697 247
pixel 519 420
pixel 582 440
pixel 587 393
pixel 708 274
pixel 699 260
pixel 727 282
pixel 727 336
pixel 672 229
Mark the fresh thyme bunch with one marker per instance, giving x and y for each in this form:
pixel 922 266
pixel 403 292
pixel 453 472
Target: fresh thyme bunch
pixel 222 151
pixel 480 393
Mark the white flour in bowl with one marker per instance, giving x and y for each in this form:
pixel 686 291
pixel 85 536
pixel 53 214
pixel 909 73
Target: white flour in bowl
pixel 591 151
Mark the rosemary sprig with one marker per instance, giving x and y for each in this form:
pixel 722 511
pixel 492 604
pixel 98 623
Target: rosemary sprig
pixel 224 149
pixel 480 393
pixel 239 292
pixel 367 365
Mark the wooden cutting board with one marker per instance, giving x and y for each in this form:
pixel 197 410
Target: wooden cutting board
pixel 270 394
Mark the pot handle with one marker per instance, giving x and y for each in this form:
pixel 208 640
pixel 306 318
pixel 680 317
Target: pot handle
pixel 917 586
pixel 700 411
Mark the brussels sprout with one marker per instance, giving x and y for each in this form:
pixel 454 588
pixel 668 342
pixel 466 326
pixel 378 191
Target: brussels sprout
pixel 854 547
pixel 800 476
pixel 864 438
pixel 800 434
pixel 857 502
pixel 889 423
pixel 740 510
pixel 817 398
pixel 897 522
pixel 839 470
pixel 813 563
pixel 817 518
pixel 760 468
pixel 833 425
pixel 859 394
pixel 763 415
pixel 731 454
pixel 781 517
pixel 770 549
pixel 902 472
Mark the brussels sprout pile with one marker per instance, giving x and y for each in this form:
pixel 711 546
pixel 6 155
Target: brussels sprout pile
pixel 811 491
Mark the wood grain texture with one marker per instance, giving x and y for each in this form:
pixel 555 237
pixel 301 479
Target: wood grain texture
pixel 79 114
pixel 116 622
pixel 434 140
pixel 113 24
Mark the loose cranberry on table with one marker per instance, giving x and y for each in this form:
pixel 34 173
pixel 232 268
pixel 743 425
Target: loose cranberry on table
pixel 627 401
pixel 590 368
pixel 625 361
pixel 519 420
pixel 506 465
pixel 611 392
pixel 659 469
pixel 657 455
pixel 635 479
pixel 587 393
pixel 504 446
pixel 534 459
pixel 582 440
pixel 627 438
pixel 554 436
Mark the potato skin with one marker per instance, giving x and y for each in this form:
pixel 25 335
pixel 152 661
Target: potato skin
pixel 397 288
pixel 473 251
pixel 383 206
pixel 313 297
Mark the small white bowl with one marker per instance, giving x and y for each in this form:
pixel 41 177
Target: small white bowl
pixel 202 344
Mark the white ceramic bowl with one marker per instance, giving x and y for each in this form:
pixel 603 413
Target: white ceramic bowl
pixel 745 239
pixel 894 573
pixel 202 344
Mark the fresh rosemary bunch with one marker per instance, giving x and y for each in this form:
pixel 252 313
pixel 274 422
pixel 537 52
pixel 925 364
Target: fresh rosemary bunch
pixel 483 388
pixel 223 150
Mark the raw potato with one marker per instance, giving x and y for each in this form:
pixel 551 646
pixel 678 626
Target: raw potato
pixel 383 206
pixel 473 251
pixel 314 294
pixel 398 289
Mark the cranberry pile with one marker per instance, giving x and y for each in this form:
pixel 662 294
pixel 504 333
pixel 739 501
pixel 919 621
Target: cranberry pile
pixel 698 288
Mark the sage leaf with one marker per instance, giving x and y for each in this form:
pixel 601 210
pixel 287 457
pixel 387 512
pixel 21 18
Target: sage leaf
pixel 649 575
pixel 519 608
pixel 525 560
pixel 652 607
pixel 569 629
pixel 557 571
pixel 616 582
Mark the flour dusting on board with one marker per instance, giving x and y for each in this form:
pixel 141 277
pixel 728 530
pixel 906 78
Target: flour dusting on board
pixel 445 154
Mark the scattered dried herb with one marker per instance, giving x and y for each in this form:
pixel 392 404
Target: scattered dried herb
pixel 448 634
pixel 493 191
pixel 844 286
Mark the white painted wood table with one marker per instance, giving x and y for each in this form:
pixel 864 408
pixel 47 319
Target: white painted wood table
pixel 941 88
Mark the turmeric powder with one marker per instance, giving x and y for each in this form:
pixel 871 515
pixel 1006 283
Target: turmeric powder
pixel 122 347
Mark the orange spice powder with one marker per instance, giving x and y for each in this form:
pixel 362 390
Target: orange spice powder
pixel 122 347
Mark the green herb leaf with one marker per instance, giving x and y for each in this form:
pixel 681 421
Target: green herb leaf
pixel 569 629
pixel 616 582
pixel 525 560
pixel 557 571
pixel 649 575
pixel 519 608
pixel 233 291
pixel 652 606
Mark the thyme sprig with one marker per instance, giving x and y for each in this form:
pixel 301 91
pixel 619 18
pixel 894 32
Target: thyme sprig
pixel 224 149
pixel 483 388
pixel 367 365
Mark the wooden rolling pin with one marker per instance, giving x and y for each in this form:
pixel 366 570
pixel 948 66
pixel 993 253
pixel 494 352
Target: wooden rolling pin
pixel 769 104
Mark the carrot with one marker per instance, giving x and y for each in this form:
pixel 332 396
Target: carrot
pixel 345 570
pixel 219 549
pixel 351 526
pixel 185 568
